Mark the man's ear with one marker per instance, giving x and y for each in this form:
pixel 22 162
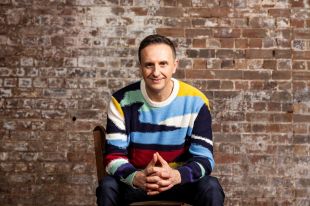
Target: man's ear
pixel 176 64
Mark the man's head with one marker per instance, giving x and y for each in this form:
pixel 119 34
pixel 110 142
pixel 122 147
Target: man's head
pixel 156 39
pixel 157 65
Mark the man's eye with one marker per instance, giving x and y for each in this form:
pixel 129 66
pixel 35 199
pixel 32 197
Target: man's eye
pixel 149 65
pixel 163 64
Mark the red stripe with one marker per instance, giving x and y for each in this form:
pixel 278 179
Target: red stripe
pixel 140 157
pixel 108 158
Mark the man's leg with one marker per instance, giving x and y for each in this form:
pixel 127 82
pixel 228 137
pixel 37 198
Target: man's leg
pixel 205 192
pixel 209 192
pixel 108 192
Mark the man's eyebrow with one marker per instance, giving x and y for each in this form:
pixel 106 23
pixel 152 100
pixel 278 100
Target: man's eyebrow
pixel 148 62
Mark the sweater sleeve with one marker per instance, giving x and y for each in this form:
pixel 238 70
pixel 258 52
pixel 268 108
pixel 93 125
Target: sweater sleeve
pixel 201 149
pixel 116 159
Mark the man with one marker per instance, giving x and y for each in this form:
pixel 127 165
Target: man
pixel 159 137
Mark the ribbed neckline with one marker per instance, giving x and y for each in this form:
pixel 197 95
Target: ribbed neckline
pixel 152 103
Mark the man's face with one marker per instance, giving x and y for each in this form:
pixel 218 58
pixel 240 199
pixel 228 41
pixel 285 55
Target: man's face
pixel 157 66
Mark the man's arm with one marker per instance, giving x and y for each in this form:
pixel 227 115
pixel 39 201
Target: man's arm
pixel 116 145
pixel 201 149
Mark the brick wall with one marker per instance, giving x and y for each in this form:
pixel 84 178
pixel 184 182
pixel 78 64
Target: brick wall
pixel 61 59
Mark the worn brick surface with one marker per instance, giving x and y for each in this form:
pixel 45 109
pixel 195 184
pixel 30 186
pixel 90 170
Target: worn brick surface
pixel 60 60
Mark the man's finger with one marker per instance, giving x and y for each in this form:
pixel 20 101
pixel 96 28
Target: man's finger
pixel 151 187
pixel 155 192
pixel 149 168
pixel 161 160
pixel 153 160
pixel 162 189
pixel 152 179
pixel 164 183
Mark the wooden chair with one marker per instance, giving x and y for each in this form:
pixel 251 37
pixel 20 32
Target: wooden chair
pixel 99 141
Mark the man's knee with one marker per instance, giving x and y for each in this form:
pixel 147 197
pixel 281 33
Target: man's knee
pixel 212 187
pixel 108 183
pixel 108 191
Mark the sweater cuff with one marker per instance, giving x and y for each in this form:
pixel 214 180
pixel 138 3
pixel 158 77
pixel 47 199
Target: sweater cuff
pixel 185 174
pixel 129 179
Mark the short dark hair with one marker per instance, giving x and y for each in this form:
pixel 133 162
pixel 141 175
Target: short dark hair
pixel 156 39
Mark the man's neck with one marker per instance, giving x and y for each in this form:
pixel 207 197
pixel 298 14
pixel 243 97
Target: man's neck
pixel 160 96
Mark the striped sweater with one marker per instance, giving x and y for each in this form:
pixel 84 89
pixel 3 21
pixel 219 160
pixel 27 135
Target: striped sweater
pixel 179 129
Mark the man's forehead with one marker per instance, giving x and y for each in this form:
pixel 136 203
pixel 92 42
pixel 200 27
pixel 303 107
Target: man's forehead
pixel 160 50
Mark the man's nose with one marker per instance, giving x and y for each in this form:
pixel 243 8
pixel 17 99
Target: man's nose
pixel 156 70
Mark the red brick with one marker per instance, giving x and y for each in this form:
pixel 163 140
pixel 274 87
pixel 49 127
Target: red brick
pixel 225 53
pixel 270 64
pixel 228 85
pixel 255 43
pixel 297 23
pixel 209 12
pixel 228 74
pixel 227 33
pixel 200 64
pixel 308 23
pixel 229 63
pixel 254 33
pixel 227 43
pixel 227 159
pixel 139 11
pixel 283 75
pixel 198 74
pixel 241 43
pixel 299 65
pixel 170 12
pixel 279 12
pixel 177 22
pixel 197 33
pixel 259 54
pixel 172 32
pixel 263 75
pixel 301 34
pixel 300 75
pixel 199 43
pixel 241 85
pixel 297 3
pixel 262 22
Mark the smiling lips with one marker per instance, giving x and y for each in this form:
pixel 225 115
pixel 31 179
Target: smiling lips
pixel 156 80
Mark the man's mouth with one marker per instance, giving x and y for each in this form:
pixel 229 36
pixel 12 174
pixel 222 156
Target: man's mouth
pixel 155 80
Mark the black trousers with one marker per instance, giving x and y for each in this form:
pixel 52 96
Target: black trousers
pixel 205 192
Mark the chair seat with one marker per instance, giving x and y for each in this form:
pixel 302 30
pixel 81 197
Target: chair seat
pixel 157 203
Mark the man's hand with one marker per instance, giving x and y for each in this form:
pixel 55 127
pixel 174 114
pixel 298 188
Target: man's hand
pixel 160 176
pixel 139 179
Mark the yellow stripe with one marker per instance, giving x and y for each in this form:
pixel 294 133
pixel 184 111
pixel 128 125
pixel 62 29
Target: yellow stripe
pixel 117 106
pixel 188 90
pixel 175 165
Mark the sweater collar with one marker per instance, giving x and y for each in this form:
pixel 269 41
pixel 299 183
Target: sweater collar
pixel 172 96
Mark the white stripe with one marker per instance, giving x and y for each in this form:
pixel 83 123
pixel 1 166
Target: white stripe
pixel 116 117
pixel 114 165
pixel 116 136
pixel 203 139
pixel 180 121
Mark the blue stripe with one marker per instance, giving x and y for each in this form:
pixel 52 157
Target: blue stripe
pixel 176 137
pixel 199 150
pixel 118 143
pixel 180 106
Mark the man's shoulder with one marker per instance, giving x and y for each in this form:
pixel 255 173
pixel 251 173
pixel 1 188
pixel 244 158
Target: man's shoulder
pixel 190 91
pixel 187 89
pixel 119 94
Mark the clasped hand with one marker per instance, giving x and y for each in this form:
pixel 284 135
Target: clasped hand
pixel 157 177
